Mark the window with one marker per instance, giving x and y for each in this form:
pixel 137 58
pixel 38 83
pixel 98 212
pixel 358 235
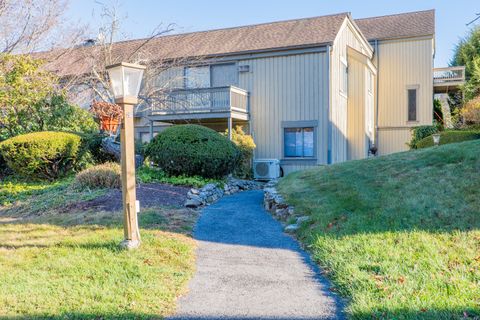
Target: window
pixel 197 77
pixel 412 97
pixel 224 75
pixel 217 75
pixel 299 142
pixel 343 76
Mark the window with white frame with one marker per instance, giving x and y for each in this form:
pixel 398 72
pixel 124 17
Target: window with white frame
pixel 343 76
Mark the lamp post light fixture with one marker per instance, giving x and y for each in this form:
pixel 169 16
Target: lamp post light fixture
pixel 126 79
pixel 436 139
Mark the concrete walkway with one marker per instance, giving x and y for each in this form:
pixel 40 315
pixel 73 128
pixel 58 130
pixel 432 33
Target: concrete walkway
pixel 247 268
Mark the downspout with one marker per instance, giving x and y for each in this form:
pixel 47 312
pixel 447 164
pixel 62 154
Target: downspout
pixel 377 53
pixel 329 106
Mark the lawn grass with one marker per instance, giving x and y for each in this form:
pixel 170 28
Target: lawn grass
pixel 67 265
pixel 398 235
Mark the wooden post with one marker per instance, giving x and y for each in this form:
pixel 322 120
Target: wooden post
pixel 151 130
pixel 130 223
pixel 230 128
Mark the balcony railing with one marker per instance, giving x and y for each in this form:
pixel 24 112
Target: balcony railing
pixel 447 76
pixel 203 100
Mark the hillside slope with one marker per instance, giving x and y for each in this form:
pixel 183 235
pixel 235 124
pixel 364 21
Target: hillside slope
pixel 399 235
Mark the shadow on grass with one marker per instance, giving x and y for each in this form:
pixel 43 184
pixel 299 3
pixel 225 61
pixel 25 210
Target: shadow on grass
pixel 440 314
pixel 107 245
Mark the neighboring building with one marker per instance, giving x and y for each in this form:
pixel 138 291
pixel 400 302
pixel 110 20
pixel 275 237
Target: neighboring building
pixel 311 91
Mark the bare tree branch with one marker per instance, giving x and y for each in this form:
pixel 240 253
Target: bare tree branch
pixel 163 76
pixel 31 25
pixel 473 21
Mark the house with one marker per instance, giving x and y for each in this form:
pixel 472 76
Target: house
pixel 311 91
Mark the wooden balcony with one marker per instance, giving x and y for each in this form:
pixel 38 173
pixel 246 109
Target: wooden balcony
pixel 448 79
pixel 203 103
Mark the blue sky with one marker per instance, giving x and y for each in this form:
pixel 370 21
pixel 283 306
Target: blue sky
pixel 142 16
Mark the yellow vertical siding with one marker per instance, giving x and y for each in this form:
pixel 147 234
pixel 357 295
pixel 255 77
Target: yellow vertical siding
pixel 403 63
pixel 357 145
pixel 338 114
pixel 286 88
pixel 393 140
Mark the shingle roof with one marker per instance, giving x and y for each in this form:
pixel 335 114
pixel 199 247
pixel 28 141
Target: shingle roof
pixel 260 37
pixel 412 24
pixel 268 36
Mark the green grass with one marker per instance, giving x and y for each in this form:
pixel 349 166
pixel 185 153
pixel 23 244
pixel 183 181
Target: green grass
pixel 150 174
pixel 398 235
pixel 67 265
pixel 24 197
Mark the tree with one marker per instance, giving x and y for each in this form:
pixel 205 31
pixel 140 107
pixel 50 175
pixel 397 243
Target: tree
pixel 162 75
pixel 467 53
pixel 30 100
pixel 32 25
pixel 23 85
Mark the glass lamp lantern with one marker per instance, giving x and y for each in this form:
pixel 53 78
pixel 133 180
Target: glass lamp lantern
pixel 126 79
pixel 436 139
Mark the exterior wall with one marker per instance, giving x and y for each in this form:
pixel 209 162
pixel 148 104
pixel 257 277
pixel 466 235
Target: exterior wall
pixel 403 63
pixel 357 139
pixel 282 89
pixel 347 37
pixel 393 140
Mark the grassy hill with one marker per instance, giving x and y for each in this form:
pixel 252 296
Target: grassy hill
pixel 398 235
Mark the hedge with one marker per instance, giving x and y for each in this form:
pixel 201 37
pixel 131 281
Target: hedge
pixel 193 150
pixel 45 155
pixel 450 136
pixel 419 133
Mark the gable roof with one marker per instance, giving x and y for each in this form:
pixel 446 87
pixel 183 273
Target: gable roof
pixel 272 36
pixel 412 24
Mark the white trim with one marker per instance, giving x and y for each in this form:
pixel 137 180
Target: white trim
pixel 357 32
pixel 343 78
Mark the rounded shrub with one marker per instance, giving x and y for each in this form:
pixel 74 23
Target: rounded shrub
pixel 450 136
pixel 45 155
pixel 106 175
pixel 193 150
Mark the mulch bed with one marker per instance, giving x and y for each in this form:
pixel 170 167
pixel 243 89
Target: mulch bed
pixel 149 195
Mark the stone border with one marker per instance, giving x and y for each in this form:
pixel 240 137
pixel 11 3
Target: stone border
pixel 211 192
pixel 276 205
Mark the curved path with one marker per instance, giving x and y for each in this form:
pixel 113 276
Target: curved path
pixel 247 268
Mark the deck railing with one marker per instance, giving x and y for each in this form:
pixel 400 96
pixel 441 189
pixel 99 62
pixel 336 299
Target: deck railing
pixel 448 75
pixel 203 100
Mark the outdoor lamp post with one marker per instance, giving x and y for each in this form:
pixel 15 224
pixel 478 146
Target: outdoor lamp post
pixel 436 139
pixel 126 79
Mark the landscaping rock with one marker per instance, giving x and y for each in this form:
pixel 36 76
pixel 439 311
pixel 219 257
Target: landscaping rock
pixel 300 220
pixel 211 192
pixel 291 228
pixel 276 204
pixel 192 203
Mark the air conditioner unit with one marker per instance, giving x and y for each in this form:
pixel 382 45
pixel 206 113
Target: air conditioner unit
pixel 266 169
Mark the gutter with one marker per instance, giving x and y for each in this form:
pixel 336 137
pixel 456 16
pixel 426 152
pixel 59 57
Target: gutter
pixel 329 104
pixel 377 53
